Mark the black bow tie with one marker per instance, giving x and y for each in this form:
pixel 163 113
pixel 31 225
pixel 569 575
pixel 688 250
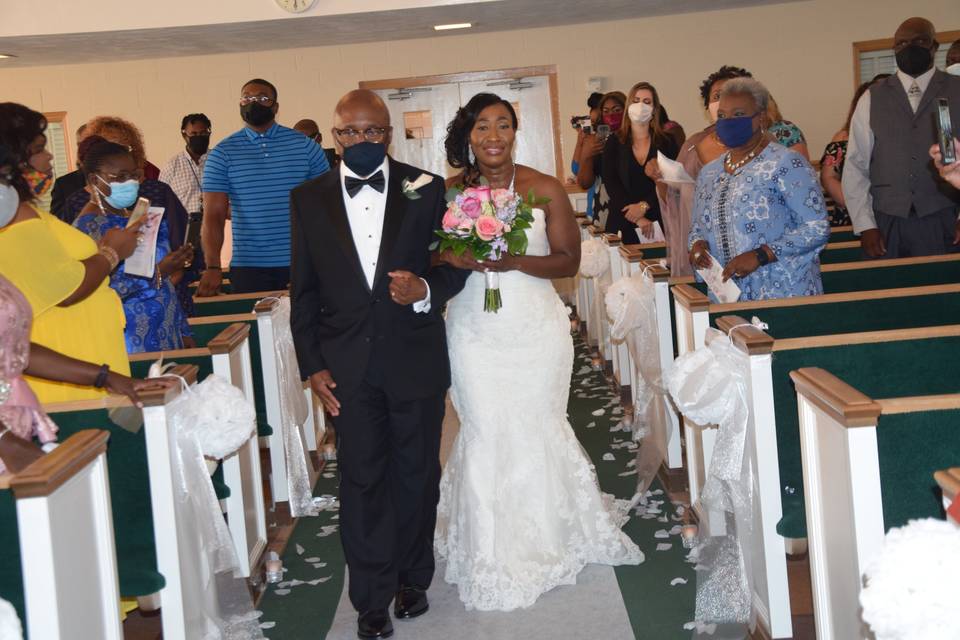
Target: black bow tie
pixel 376 181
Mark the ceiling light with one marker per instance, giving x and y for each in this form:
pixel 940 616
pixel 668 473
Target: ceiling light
pixel 445 27
pixel 6 55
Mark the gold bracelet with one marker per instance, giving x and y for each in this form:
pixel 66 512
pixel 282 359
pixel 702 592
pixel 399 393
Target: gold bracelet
pixel 111 255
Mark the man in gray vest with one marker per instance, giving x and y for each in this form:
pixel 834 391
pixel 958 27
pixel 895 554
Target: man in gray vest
pixel 898 203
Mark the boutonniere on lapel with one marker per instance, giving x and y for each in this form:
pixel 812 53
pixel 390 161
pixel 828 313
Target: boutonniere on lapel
pixel 410 188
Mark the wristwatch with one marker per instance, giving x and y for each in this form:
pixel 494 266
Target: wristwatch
pixel 762 257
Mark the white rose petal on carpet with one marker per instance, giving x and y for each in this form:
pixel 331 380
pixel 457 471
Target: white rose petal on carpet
pixel 281 592
pixel 677 581
pixel 268 625
pixel 609 457
pixel 598 412
pixel 664 546
pixel 661 533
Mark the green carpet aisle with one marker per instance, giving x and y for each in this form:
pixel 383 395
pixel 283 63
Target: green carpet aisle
pixel 621 603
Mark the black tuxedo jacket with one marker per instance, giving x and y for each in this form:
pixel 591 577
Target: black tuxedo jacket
pixel 342 324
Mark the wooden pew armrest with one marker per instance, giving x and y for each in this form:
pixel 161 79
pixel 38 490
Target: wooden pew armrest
pixel 230 338
pixel 836 398
pixel 45 475
pixel 690 298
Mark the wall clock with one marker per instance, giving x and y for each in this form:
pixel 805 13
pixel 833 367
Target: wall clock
pixel 295 6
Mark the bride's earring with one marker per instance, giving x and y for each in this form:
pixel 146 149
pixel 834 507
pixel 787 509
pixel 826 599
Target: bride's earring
pixel 470 156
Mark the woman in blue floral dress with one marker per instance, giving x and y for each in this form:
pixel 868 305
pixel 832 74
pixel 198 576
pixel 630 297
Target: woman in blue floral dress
pixel 155 318
pixel 759 208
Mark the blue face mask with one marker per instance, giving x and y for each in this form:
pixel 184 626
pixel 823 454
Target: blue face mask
pixel 364 157
pixel 735 132
pixel 122 194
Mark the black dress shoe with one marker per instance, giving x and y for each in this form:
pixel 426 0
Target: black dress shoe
pixel 411 602
pixel 374 624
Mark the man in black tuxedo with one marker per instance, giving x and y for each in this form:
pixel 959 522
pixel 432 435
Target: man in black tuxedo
pixel 369 336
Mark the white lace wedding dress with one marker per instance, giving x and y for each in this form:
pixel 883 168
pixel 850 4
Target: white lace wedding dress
pixel 520 509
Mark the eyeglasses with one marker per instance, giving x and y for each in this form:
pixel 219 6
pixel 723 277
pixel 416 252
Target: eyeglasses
pixel 370 134
pixel 266 101
pixel 195 133
pixel 123 176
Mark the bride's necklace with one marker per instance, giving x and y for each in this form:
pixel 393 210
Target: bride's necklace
pixel 732 167
pixel 513 178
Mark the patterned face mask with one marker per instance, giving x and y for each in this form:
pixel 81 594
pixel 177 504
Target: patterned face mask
pixel 40 182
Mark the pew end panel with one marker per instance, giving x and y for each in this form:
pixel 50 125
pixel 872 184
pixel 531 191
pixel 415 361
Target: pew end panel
pixel 64 526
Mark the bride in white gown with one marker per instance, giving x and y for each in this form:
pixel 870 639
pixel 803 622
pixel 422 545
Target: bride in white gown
pixel 520 509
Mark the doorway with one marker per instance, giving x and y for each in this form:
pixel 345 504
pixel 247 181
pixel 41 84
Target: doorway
pixel 421 108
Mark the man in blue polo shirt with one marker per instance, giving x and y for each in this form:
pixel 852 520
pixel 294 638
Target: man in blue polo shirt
pixel 250 175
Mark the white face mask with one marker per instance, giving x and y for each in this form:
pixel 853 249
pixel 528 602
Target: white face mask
pixel 713 107
pixel 640 112
pixel 954 69
pixel 9 203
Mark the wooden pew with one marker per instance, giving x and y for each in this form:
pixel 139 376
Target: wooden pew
pixel 693 310
pixel 57 555
pixel 868 465
pixel 229 304
pixel 263 377
pixel 895 356
pixel 142 494
pixel 949 482
pixel 228 355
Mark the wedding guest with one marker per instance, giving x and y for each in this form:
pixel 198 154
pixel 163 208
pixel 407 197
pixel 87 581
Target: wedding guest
pixel 831 163
pixel 310 129
pixel 590 171
pixel 21 417
pixel 250 173
pixel 634 205
pixel 155 319
pixel 676 201
pixel 593 103
pixel 776 254
pixel 160 194
pixel 75 312
pixel 67 184
pixel 897 202
pixel 785 132
pixel 184 171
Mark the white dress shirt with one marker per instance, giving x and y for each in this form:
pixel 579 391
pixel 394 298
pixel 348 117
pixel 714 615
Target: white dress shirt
pixel 365 213
pixel 856 168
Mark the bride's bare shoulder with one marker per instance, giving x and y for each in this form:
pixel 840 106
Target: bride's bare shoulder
pixel 543 185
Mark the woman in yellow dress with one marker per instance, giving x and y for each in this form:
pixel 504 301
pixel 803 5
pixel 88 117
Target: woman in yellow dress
pixel 60 270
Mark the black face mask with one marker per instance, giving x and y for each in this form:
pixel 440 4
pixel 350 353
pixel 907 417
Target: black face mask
pixel 255 114
pixel 198 144
pixel 914 60
pixel 363 157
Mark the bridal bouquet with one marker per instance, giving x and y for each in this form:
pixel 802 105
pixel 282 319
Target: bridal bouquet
pixel 487 222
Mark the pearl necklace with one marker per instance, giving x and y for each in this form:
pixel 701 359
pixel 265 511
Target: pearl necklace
pixel 732 167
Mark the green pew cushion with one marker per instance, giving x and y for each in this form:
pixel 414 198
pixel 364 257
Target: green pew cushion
pixel 912 275
pixel 832 256
pixel 11 572
pixel 850 317
pixel 203 333
pixel 880 370
pixel 129 497
pixel 215 307
pixel 843 236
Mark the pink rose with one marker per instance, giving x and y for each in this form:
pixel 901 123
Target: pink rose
pixel 470 206
pixel 488 228
pixel 450 220
pixel 482 193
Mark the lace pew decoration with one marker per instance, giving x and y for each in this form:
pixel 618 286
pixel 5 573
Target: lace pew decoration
pixel 709 386
pixel 211 421
pixel 594 259
pixel 630 305
pixel 293 413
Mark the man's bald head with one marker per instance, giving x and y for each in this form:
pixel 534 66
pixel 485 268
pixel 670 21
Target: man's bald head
pixel 361 110
pixel 915 31
pixel 953 54
pixel 307 127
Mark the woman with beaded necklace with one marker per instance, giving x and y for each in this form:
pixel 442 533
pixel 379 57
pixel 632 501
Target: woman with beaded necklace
pixel 758 208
